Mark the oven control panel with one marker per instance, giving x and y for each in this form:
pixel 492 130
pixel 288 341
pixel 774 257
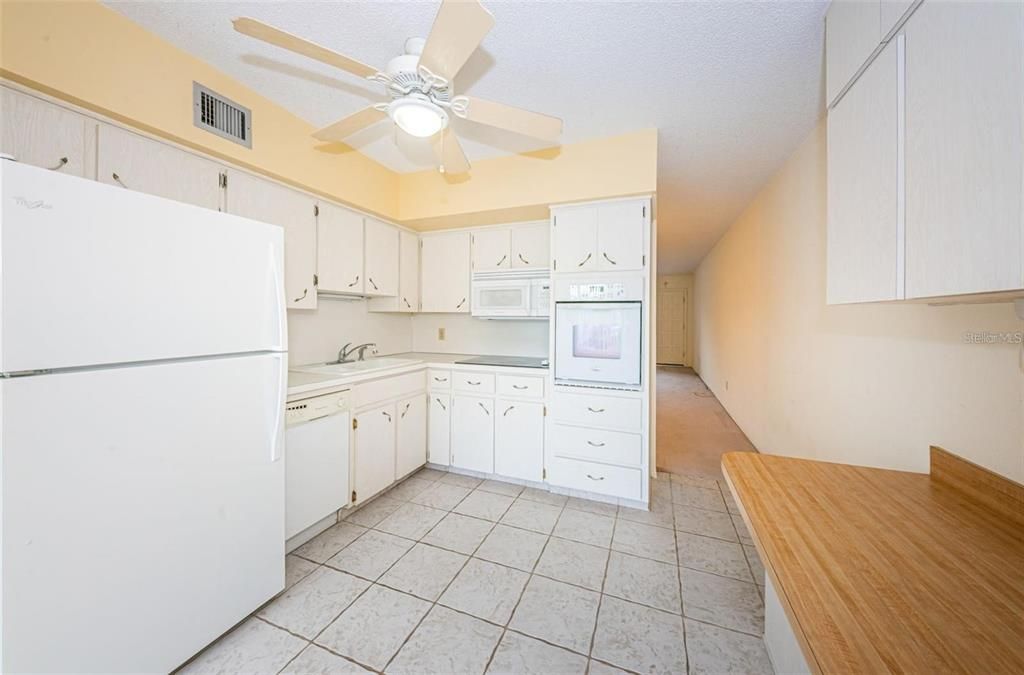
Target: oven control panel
pixel 597 291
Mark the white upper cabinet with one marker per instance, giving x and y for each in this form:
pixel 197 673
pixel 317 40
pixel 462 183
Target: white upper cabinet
pixel 574 237
pixel 408 297
pixel 852 33
pixel 339 250
pixel 492 249
pixel 891 13
pixel 964 149
pixel 863 205
pixel 620 235
pixel 135 162
pixel 445 272
pixel 531 246
pixel 602 236
pixel 381 258
pixel 269 202
pixel 39 133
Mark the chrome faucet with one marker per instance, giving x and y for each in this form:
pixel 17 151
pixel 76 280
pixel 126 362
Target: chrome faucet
pixel 348 350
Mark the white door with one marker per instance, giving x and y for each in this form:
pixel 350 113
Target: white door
pixel 574 239
pixel 268 202
pixel 374 448
pixel 411 452
pixel 672 313
pixel 381 258
pixel 620 235
pixel 439 429
pixel 117 276
pixel 42 134
pixel 519 439
pixel 445 272
pixel 173 480
pixel 863 208
pixel 531 246
pixel 964 148
pixel 473 433
pixel 135 162
pixel 492 250
pixel 339 249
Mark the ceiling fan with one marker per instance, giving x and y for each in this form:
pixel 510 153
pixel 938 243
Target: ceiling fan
pixel 419 83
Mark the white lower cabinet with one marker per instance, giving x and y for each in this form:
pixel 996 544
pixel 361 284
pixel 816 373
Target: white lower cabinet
pixel 519 439
pixel 439 428
pixel 374 451
pixel 473 433
pixel 615 481
pixel 411 435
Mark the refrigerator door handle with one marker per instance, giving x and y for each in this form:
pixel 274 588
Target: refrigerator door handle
pixel 280 399
pixel 279 299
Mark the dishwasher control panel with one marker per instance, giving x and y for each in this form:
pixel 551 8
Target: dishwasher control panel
pixel 304 410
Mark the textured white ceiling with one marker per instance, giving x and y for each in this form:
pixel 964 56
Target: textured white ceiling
pixel 731 86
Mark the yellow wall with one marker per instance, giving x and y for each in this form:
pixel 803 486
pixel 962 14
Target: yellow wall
pixel 89 55
pixel 521 186
pixel 868 384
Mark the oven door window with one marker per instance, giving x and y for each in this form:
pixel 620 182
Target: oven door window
pixel 598 342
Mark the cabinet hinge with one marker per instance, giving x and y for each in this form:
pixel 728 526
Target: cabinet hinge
pixel 544 474
pixel 223 180
pixel 554 222
pixel 316 209
pixel 545 411
pixel 355 425
pixel 555 266
pixel 645 211
pixel 353 496
pixel 643 260
pixel 316 280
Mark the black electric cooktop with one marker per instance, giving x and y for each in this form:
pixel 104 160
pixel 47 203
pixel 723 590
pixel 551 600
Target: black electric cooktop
pixel 511 361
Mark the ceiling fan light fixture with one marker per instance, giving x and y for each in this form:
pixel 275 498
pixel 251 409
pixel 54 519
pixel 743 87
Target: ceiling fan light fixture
pixel 417 116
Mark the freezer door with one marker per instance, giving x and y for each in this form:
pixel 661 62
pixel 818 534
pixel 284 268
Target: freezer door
pixel 97 274
pixel 143 511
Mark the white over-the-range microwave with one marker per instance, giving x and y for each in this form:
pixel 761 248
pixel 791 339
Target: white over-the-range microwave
pixel 511 294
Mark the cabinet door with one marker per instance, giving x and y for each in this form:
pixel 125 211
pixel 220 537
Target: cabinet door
pixel 863 211
pixel 445 272
pixel 138 163
pixel 268 202
pixel 339 250
pixel 620 235
pixel 375 451
pixel 473 433
pixel 492 250
pixel 519 440
pixel 408 296
pixel 40 133
pixel 964 148
pixel 852 32
pixel 439 429
pixel 891 12
pixel 381 258
pixel 531 246
pixel 574 237
pixel 411 448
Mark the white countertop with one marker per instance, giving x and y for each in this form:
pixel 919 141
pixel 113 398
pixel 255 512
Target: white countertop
pixel 304 382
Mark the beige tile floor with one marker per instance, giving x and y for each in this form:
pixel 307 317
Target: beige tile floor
pixel 449 574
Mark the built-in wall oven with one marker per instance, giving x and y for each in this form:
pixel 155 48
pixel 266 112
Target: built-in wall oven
pixel 599 332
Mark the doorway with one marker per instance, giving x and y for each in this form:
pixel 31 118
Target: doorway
pixel 672 320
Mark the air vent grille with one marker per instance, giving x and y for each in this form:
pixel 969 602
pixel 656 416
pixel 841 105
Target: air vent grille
pixel 219 115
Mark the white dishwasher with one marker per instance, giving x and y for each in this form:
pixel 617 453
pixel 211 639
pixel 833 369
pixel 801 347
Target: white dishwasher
pixel 316 459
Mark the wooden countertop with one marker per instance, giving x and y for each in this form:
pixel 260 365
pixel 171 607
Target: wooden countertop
pixel 887 571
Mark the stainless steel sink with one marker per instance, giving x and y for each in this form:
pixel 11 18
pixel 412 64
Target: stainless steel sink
pixel 380 363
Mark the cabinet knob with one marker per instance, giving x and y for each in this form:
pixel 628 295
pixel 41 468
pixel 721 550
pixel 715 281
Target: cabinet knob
pixel 584 261
pixel 386 414
pixel 525 261
pixel 60 164
pixel 520 386
pixel 595 410
pixel 508 410
pixel 117 179
pixel 354 282
pixel 461 303
pixel 498 264
pixel 596 445
pixel 370 279
pixel 483 407
pixel 609 259
pixel 593 478
pixel 305 292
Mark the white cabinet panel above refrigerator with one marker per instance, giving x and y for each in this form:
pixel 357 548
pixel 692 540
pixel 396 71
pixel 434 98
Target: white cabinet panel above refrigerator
pixel 94 274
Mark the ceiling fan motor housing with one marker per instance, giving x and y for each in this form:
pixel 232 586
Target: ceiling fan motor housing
pixel 404 73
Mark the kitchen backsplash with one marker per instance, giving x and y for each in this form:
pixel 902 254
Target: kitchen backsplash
pixel 316 335
pixel 467 335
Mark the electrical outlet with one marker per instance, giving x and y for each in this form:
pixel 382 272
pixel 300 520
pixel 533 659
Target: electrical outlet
pixel 440 333
pixel 727 385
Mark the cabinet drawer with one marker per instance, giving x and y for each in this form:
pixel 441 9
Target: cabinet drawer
pixel 521 385
pixel 615 481
pixel 607 412
pixel 439 380
pixel 614 447
pixel 368 393
pixel 477 383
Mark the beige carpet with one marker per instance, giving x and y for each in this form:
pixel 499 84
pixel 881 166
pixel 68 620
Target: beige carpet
pixel 694 430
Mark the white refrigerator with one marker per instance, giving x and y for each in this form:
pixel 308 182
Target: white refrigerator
pixel 143 354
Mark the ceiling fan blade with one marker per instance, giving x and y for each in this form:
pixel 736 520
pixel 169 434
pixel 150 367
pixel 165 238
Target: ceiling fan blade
pixel 509 117
pixel 449 152
pixel 459 27
pixel 347 126
pixel 293 43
